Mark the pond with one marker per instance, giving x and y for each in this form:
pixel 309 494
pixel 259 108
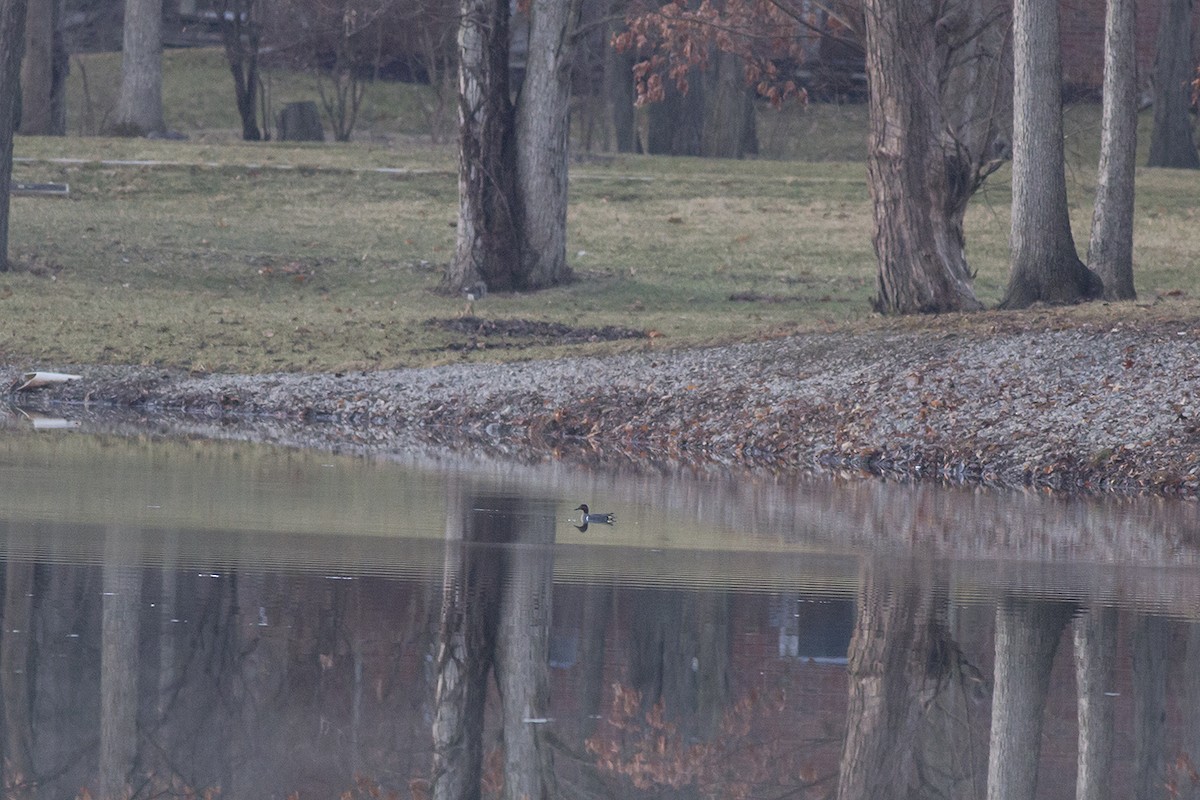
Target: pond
pixel 191 617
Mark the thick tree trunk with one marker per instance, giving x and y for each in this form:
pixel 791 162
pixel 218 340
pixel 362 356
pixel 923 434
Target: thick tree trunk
pixel 675 125
pixel 1027 634
pixel 1171 142
pixel 12 46
pixel 1110 253
pixel 486 246
pixel 1045 265
pixel 918 193
pixel 43 73
pixel 618 85
pixel 730 130
pixel 1095 657
pixel 543 130
pixel 139 104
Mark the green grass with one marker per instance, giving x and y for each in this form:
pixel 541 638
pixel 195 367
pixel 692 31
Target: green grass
pixel 215 259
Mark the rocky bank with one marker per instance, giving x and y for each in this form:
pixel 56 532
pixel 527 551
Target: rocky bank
pixel 1089 408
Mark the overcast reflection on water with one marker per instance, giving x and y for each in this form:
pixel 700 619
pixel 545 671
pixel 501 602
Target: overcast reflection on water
pixel 252 622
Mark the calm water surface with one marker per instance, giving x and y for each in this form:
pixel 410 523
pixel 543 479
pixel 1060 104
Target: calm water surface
pixel 253 622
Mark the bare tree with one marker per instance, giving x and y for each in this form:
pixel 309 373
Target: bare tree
pixel 139 103
pixel 513 162
pixel 920 175
pixel 241 32
pixel 44 72
pixel 12 46
pixel 1110 253
pixel 1171 142
pixel 1045 266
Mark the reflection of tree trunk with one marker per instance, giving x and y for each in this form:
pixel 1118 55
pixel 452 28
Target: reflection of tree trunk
pixel 16 665
pixel 888 666
pixel 597 601
pixel 495 611
pixel 168 585
pixel 1027 634
pixel 1149 706
pixel 680 656
pixel 469 611
pixel 1191 699
pixel 1095 653
pixel 118 669
pixel 522 649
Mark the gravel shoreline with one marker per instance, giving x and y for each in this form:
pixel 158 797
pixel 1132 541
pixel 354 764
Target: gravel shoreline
pixel 1081 410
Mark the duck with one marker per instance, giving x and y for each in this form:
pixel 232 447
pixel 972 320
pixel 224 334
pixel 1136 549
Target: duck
pixel 593 519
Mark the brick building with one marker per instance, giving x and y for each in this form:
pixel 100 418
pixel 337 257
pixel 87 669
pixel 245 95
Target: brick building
pixel 1082 24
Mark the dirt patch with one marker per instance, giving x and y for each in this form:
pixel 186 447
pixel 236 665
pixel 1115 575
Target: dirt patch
pixel 519 333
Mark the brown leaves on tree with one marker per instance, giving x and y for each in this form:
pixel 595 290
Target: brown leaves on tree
pixel 676 37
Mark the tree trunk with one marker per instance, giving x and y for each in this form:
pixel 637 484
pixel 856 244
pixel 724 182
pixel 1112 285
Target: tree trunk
pixel 618 85
pixel 1150 643
pixel 1045 265
pixel 241 36
pixel 1027 634
pixel 139 104
pixel 1095 656
pixel 12 45
pixel 1171 142
pixel 486 246
pixel 1110 253
pixel 522 652
pixel 43 73
pixel 729 129
pixel 675 125
pixel 543 129
pixel 918 193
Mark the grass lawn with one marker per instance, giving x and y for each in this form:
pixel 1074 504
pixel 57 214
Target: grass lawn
pixel 216 258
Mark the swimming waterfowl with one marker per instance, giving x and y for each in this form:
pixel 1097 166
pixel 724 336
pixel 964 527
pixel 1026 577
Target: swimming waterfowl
pixel 594 519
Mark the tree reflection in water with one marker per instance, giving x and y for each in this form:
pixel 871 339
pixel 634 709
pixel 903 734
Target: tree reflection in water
pixel 491 675
pixel 495 618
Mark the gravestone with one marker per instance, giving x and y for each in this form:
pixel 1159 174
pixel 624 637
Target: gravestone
pixel 300 122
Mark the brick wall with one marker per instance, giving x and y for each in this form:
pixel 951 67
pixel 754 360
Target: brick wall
pixel 1082 23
